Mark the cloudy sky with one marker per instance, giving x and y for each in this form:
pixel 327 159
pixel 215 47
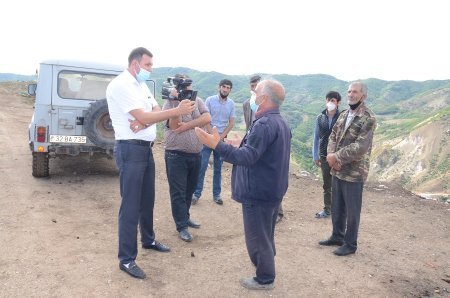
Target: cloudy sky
pixel 348 39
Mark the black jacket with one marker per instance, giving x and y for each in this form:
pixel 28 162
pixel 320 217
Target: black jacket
pixel 322 132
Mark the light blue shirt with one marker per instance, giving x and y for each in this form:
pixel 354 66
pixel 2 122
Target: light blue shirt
pixel 221 111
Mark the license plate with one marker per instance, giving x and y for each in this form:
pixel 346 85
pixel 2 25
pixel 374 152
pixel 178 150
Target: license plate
pixel 67 139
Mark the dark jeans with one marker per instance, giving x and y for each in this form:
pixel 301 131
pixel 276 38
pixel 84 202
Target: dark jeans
pixel 326 177
pixel 137 189
pixel 182 173
pixel 217 177
pixel 259 229
pixel 346 210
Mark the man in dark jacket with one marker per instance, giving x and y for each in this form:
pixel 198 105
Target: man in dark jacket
pixel 260 177
pixel 349 148
pixel 249 117
pixel 322 131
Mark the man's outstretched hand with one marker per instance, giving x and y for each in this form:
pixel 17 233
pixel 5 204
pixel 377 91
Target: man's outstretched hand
pixel 210 140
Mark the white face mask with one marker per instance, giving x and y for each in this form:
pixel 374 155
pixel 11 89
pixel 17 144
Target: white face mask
pixel 331 106
pixel 253 104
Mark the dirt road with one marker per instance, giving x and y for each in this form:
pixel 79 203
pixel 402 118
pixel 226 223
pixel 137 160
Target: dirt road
pixel 59 235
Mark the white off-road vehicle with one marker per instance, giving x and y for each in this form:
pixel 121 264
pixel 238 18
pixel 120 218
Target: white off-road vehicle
pixel 71 113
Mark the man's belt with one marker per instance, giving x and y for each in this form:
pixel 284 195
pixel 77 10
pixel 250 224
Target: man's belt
pixel 137 142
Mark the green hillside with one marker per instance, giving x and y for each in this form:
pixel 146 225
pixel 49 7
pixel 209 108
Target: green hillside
pixel 400 105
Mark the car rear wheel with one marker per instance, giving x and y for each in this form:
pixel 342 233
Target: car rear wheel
pixel 40 164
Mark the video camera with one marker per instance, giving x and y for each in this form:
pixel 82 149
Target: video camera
pixel 180 84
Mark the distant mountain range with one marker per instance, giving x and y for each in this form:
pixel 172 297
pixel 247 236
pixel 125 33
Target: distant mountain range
pixel 15 77
pixel 412 141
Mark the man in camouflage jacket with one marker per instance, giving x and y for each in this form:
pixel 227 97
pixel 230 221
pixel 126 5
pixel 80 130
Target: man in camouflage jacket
pixel 349 149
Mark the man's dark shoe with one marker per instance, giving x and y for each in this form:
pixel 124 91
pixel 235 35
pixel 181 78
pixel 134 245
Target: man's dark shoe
pixel 185 235
pixel 218 200
pixel 344 250
pixel 194 199
pixel 132 269
pixel 193 224
pixel 331 242
pixel 157 246
pixel 251 284
pixel 279 218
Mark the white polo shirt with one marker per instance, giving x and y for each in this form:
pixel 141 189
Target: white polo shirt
pixel 125 94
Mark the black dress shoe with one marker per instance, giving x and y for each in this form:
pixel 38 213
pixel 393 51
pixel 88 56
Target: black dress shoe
pixel 132 269
pixel 185 235
pixel 344 250
pixel 331 242
pixel 279 218
pixel 157 246
pixel 193 224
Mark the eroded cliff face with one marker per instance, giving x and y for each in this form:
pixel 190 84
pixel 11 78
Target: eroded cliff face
pixel 419 162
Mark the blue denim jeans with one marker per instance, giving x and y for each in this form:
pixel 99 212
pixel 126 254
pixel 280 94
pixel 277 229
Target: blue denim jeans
pixel 217 176
pixel 182 173
pixel 137 189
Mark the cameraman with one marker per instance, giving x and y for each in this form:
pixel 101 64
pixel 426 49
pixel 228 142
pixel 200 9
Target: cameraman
pixel 182 155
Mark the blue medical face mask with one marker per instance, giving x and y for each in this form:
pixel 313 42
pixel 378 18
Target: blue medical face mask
pixel 253 104
pixel 143 75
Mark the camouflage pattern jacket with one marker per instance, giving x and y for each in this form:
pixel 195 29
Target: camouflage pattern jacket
pixel 353 145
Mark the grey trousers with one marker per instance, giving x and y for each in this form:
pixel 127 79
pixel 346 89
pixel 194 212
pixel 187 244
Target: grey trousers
pixel 259 229
pixel 326 176
pixel 346 210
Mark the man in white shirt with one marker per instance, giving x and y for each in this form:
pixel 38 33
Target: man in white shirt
pixel 128 98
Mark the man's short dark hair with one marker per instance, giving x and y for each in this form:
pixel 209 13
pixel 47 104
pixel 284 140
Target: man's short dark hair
pixel 255 79
pixel 137 54
pixel 181 76
pixel 226 82
pixel 333 94
pixel 182 80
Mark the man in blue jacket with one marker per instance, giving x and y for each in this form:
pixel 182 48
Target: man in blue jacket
pixel 260 177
